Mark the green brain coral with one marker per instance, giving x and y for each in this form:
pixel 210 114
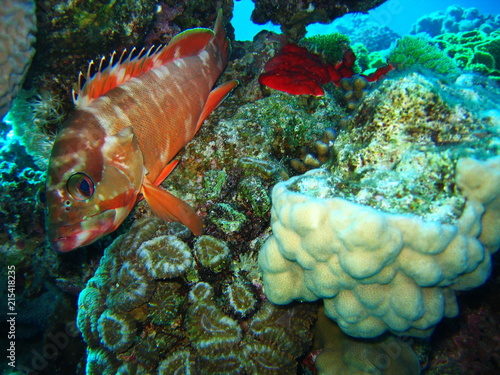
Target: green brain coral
pixel 413 51
pixel 211 252
pixel 165 256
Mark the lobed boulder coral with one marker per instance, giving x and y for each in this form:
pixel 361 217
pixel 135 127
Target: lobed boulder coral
pixel 407 215
pixel 456 19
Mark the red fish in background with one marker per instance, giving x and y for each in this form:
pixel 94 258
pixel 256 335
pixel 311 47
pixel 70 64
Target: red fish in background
pixel 131 119
pixel 297 71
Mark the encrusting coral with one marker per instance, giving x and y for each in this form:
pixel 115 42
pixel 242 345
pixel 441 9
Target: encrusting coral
pixel 397 266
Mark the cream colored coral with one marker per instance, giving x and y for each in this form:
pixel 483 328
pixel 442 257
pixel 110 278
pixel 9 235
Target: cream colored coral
pixel 377 271
pixel 17 28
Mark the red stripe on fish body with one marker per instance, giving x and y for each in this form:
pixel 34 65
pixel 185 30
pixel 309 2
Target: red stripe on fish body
pixel 121 138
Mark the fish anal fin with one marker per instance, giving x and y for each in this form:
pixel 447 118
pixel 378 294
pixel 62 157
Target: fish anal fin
pixel 166 171
pixel 216 96
pixel 170 208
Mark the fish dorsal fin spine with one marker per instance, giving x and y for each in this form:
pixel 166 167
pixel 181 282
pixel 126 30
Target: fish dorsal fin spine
pixel 129 65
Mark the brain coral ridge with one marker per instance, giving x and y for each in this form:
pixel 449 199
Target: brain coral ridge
pixel 378 271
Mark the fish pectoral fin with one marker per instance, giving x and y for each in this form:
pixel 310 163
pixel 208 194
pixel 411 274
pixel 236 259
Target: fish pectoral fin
pixel 170 208
pixel 165 172
pixel 214 99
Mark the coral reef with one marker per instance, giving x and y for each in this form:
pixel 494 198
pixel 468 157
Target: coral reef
pixel 471 39
pixel 331 46
pixel 171 17
pixel 18 26
pixel 34 119
pixel 361 29
pixel 294 16
pixel 165 257
pixel 366 262
pixel 80 32
pixel 223 326
pixel 456 19
pixel 322 151
pixel 211 252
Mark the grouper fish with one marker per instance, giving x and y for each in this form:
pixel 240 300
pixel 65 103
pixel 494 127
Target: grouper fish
pixel 131 119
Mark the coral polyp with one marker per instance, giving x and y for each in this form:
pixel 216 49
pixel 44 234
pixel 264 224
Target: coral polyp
pixel 116 330
pixel 133 288
pixel 240 297
pixel 211 252
pixel 165 257
pixel 209 329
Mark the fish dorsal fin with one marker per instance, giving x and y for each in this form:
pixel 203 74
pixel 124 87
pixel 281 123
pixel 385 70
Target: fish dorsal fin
pixel 129 65
pixel 216 96
pixel 170 208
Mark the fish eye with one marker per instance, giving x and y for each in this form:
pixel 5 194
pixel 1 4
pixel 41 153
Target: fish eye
pixel 80 186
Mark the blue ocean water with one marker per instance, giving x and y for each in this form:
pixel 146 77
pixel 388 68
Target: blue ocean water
pixel 399 15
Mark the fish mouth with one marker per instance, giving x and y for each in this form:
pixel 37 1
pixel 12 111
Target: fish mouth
pixel 64 238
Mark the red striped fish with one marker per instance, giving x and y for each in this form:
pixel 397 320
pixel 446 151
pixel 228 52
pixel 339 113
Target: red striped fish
pixel 131 119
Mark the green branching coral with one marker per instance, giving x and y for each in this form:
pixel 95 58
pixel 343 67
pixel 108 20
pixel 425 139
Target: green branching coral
pixel 414 51
pixel 330 46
